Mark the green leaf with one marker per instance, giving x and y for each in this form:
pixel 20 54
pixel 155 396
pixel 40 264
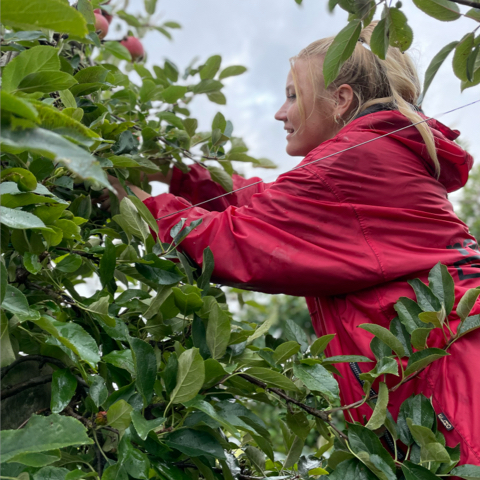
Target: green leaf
pixel 205 407
pixel 7 355
pixel 340 50
pixel 435 65
pixel 217 97
pixel 470 324
pixel 98 391
pixel 211 67
pixel 121 359
pixel 285 351
pixel 64 385
pixel 317 379
pixel 292 331
pixel 42 434
pixel 35 59
pixel 31 262
pixel 3 281
pixel 16 105
pixel 144 427
pixel 232 71
pixel 386 337
pixel 39 459
pixel 272 378
pixel 440 9
pixel 187 301
pixel 14 301
pixel 379 41
pixel 470 472
pixel 218 331
pixel 70 263
pixel 416 472
pixel 256 457
pixel 118 415
pixel 419 338
pixel 435 318
pixel 146 367
pixel 20 220
pixel 431 450
pixel 208 264
pixel 421 359
pixel 207 86
pixel 380 412
pixel 190 376
pixel 173 93
pixel 108 262
pixel 162 272
pixel 461 55
pixel 367 447
pixel 55 147
pixel 467 302
pixel 400 332
pixel 420 410
pixel 115 472
pixel 72 336
pixel 45 82
pixel 263 329
pixel 299 424
pixel 441 283
pixel 118 50
pixel 195 443
pixel 401 35
pixel 136 224
pixel 319 345
pixel 345 358
pixel 425 297
pixel 220 176
pixel 48 14
pixel 408 312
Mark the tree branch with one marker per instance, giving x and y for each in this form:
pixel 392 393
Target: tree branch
pixel 467 3
pixel 33 382
pixel 312 411
pixel 28 358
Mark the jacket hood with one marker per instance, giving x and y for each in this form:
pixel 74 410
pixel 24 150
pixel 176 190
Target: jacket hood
pixel 455 162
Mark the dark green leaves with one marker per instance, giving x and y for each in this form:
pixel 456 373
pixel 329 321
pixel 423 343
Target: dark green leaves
pixel 386 337
pixel 195 443
pixel 340 50
pixel 401 35
pixel 64 385
pixel 159 271
pixel 145 367
pixel 421 359
pixel 317 379
pixel 42 434
pixel 425 297
pixel 218 331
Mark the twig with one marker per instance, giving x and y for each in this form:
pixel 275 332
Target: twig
pixel 312 411
pixel 467 3
pixel 33 382
pixel 219 470
pixel 31 358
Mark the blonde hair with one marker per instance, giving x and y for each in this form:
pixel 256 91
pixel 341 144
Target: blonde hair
pixel 393 81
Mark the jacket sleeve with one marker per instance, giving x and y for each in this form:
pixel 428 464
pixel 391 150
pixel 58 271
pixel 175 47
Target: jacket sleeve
pixel 294 238
pixel 197 186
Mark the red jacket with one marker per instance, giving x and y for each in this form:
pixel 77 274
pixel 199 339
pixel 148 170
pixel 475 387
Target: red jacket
pixel 347 232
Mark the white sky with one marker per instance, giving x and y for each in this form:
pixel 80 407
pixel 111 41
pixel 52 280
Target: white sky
pixel 263 35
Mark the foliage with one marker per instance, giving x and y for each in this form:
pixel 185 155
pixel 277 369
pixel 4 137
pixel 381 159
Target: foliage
pixel 469 210
pixel 393 30
pixel 151 377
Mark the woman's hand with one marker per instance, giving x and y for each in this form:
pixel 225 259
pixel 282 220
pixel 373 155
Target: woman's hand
pixel 104 198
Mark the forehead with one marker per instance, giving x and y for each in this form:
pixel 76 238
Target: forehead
pixel 300 68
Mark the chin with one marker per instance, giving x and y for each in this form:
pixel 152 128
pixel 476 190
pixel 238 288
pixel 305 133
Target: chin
pixel 297 150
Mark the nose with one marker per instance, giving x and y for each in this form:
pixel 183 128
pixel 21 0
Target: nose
pixel 281 115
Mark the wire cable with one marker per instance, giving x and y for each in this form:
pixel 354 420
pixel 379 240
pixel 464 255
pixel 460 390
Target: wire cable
pixel 322 158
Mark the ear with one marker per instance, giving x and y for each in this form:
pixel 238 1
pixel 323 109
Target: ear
pixel 344 100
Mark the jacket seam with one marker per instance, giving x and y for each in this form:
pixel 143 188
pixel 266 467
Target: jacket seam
pixel 359 218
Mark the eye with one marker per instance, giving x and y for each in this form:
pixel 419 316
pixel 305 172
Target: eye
pixel 291 96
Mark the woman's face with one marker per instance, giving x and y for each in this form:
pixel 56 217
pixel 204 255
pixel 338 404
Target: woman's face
pixel 319 123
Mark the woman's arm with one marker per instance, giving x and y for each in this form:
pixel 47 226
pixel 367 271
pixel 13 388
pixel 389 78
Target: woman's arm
pixel 295 238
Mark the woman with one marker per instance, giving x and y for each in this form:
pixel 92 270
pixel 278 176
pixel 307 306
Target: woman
pixel 348 231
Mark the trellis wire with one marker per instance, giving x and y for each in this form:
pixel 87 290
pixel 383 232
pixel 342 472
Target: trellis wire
pixel 322 158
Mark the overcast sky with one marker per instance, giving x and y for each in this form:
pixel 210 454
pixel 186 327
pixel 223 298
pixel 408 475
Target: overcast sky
pixel 263 35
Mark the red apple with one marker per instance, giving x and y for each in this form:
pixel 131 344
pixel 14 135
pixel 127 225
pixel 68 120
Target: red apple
pixel 108 17
pixel 101 26
pixel 135 47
